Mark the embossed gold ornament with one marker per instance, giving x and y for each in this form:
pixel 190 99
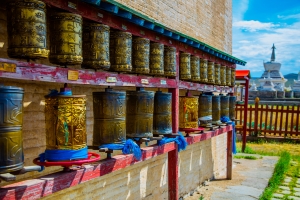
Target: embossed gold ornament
pixel 211 72
pixel 65 122
pixel 170 61
pixel 188 112
pixel 223 75
pixel 228 76
pixel 140 55
pixel 11 140
pixel 216 109
pixel 232 100
pixel 185 66
pixel 224 106
pixel 217 74
pixel 27 30
pixel 203 71
pixel 195 68
pixel 120 51
pixel 162 119
pixel 139 113
pixel 66 39
pixel 95 46
pixel 109 109
pixel 156 59
pixel 232 80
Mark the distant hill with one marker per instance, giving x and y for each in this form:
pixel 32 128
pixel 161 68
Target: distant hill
pixel 290 79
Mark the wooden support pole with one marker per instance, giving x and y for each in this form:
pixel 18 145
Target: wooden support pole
pixel 229 154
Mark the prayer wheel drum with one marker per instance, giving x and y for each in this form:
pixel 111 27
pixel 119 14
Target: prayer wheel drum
pixel 216 109
pixel 170 61
pixel 188 112
pixel 203 71
pixel 66 39
pixel 109 117
pixel 205 109
pixel 228 76
pixel 217 74
pixel 27 30
pixel 95 46
pixel 65 117
pixel 185 66
pixel 225 106
pixel 120 51
pixel 162 119
pixel 156 59
pixel 139 113
pixel 232 100
pixel 195 69
pixel 11 141
pixel 211 72
pixel 223 75
pixel 140 55
pixel 232 81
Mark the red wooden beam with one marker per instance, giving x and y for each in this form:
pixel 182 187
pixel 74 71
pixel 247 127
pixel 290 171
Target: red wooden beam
pixel 229 154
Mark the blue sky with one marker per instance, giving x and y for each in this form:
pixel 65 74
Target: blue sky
pixel 257 24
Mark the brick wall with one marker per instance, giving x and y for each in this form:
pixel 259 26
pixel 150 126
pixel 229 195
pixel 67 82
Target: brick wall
pixel 206 20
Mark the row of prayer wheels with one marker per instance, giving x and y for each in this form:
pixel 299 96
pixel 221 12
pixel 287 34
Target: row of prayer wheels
pixel 205 110
pixel 93 45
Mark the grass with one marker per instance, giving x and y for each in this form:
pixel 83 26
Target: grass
pixel 246 157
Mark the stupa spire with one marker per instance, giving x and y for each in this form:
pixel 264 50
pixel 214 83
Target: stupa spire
pixel 273 53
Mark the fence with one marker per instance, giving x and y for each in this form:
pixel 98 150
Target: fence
pixel 270 120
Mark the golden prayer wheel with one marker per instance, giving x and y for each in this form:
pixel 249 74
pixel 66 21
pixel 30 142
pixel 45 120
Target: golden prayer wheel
pixel 225 106
pixel 188 112
pixel 232 80
pixel 27 30
pixel 156 59
pixel 140 55
pixel 11 111
pixel 203 71
pixel 205 109
pixel 170 61
pixel 232 100
pixel 162 120
pixel 109 117
pixel 223 75
pixel 66 39
pixel 228 76
pixel 120 51
pixel 65 117
pixel 216 109
pixel 139 113
pixel 211 72
pixel 195 69
pixel 95 46
pixel 217 74
pixel 185 66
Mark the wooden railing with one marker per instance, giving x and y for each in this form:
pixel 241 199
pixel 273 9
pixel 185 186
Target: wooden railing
pixel 270 120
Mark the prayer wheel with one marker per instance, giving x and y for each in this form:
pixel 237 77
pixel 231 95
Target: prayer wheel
pixel 225 106
pixel 232 80
pixel 120 51
pixel 216 109
pixel 232 100
pixel 156 59
pixel 188 112
pixel 170 61
pixel 185 66
pixel 66 39
pixel 162 119
pixel 217 74
pixel 139 113
pixel 211 72
pixel 205 109
pixel 27 30
pixel 223 75
pixel 140 55
pixel 195 69
pixel 228 76
pixel 65 117
pixel 11 141
pixel 203 71
pixel 95 46
pixel 109 117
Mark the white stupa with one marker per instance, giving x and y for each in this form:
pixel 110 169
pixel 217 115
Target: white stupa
pixel 272 75
pixel 296 86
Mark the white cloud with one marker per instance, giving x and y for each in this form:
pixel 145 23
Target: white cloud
pixel 295 16
pixel 239 9
pixel 253 25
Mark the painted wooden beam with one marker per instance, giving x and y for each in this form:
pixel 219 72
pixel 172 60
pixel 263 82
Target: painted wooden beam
pixel 94 2
pixel 149 25
pixel 109 7
pixel 158 29
pixel 124 14
pixel 137 20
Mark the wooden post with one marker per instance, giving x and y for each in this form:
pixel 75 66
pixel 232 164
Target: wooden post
pixel 229 155
pixel 245 113
pixel 256 116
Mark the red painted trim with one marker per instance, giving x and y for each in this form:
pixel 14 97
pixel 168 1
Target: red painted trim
pixel 245 114
pixel 173 179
